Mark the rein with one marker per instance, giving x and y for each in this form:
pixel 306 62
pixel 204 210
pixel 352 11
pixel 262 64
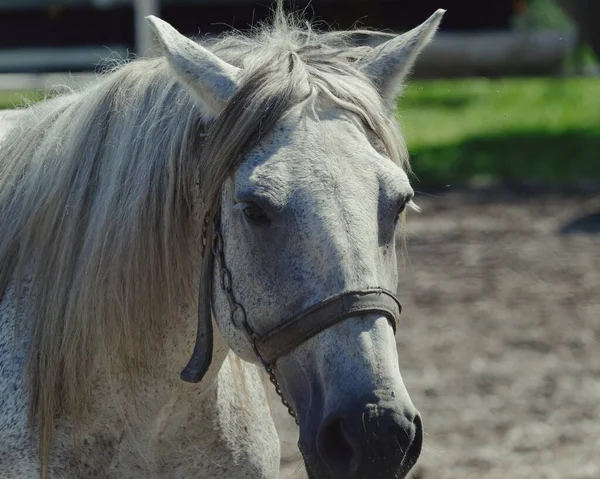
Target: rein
pixel 290 333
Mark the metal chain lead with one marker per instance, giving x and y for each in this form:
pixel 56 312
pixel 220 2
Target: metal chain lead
pixel 273 380
pixel 235 307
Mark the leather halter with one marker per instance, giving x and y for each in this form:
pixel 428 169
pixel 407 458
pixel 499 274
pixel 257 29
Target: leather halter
pixel 291 333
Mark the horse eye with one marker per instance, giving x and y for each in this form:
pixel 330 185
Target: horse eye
pixel 401 210
pixel 255 214
pixel 405 201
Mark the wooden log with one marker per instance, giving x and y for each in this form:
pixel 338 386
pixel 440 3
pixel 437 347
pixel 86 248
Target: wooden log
pixel 495 54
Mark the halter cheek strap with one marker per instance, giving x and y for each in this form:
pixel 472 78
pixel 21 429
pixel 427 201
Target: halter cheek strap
pixel 201 358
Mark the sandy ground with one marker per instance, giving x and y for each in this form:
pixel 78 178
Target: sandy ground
pixel 500 344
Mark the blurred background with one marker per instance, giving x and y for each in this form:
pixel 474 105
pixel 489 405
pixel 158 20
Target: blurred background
pixel 501 279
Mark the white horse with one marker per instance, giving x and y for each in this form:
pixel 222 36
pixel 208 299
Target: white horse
pixel 266 165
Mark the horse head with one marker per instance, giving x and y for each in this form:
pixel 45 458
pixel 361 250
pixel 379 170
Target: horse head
pixel 309 181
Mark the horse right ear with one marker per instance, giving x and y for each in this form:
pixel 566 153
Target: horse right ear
pixel 212 80
pixel 390 61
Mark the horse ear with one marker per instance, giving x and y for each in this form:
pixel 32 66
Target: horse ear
pixel 212 80
pixel 390 62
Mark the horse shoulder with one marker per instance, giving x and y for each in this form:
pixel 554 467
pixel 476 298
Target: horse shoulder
pixel 16 458
pixel 18 445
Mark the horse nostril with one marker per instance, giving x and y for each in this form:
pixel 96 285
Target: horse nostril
pixel 333 446
pixel 375 442
pixel 414 449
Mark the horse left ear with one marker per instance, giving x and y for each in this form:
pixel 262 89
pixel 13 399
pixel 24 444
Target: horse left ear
pixel 212 80
pixel 389 63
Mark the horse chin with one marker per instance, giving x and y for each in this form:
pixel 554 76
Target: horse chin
pixel 309 466
pixel 316 469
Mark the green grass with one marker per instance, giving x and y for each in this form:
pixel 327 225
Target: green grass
pixel 13 99
pixel 544 130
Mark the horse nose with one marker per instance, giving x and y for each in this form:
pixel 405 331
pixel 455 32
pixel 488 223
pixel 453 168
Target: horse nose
pixel 370 443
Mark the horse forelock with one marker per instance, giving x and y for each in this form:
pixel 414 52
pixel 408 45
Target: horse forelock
pixel 97 188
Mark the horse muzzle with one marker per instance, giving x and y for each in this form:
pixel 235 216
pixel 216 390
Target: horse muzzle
pixel 363 440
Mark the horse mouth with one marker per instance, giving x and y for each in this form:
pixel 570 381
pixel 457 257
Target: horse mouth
pixel 414 450
pixel 319 471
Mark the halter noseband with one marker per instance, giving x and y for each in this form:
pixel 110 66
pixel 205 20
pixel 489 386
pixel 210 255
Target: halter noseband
pixel 289 334
pixel 308 323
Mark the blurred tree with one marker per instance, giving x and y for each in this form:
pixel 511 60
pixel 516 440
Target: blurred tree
pixel 540 14
pixel 586 14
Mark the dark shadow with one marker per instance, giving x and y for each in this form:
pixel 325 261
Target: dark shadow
pixel 589 224
pixel 524 157
pixel 506 193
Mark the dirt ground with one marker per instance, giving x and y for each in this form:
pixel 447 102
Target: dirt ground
pixel 500 343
